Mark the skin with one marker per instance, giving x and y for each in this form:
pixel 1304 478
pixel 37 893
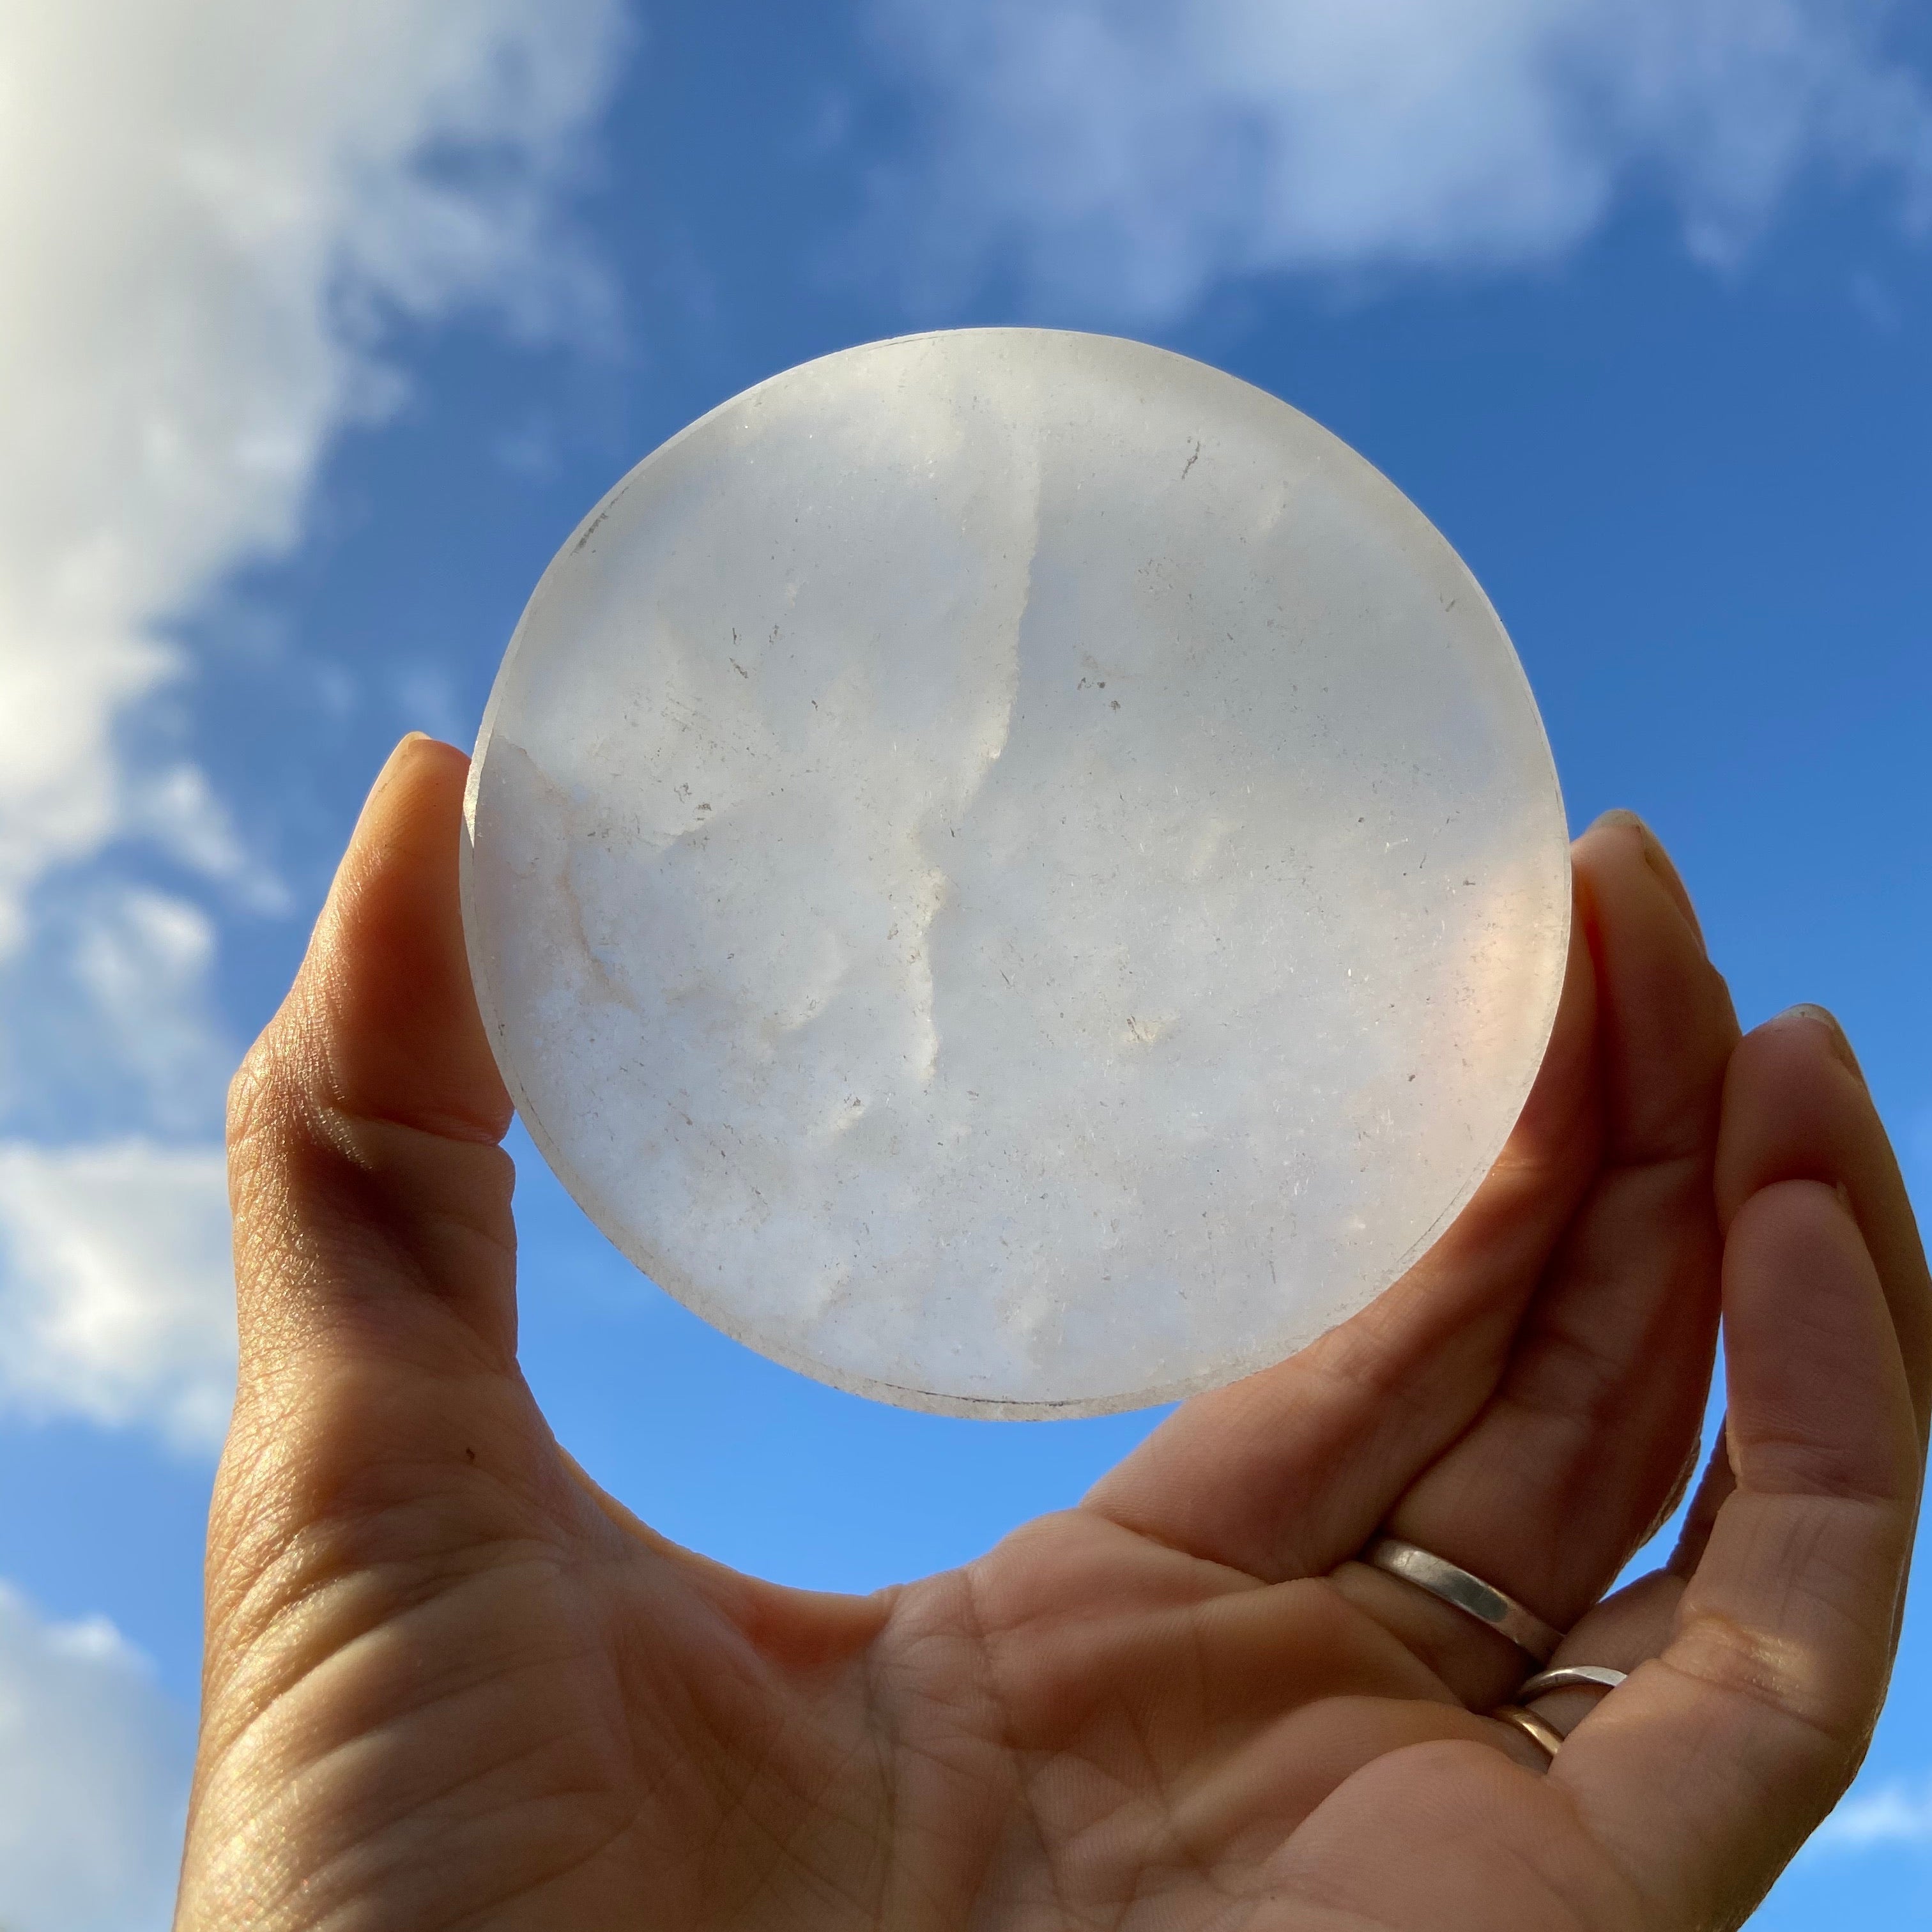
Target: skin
pixel 451 1684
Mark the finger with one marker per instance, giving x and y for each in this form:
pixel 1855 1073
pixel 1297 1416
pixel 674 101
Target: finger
pixel 1713 1491
pixel 1789 1111
pixel 1622 1633
pixel 1595 1420
pixel 382 1430
pixel 1796 1083
pixel 1632 1627
pixel 1274 1473
pixel 1703 1773
pixel 1659 862
pixel 372 1204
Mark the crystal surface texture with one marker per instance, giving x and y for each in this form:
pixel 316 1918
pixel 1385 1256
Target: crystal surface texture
pixel 1013 872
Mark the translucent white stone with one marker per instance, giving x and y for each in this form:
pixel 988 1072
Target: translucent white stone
pixel 1014 873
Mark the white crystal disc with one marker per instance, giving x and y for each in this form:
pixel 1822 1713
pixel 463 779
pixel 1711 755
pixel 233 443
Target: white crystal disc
pixel 1014 873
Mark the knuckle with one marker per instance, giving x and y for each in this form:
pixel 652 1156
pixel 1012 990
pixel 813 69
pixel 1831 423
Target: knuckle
pixel 275 1088
pixel 248 1090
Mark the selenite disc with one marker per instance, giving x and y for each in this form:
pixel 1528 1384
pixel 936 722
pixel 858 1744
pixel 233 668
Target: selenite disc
pixel 1015 873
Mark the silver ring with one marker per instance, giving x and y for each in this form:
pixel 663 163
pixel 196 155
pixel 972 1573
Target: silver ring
pixel 1571 1677
pixel 1468 1594
pixel 1532 1727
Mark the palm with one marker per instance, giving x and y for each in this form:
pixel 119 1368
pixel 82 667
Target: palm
pixel 451 1683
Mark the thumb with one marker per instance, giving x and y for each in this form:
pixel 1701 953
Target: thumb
pixel 372 1204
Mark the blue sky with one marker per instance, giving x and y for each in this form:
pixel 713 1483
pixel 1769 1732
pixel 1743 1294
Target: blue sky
pixel 312 371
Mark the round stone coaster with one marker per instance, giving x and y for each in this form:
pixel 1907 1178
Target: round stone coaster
pixel 1015 873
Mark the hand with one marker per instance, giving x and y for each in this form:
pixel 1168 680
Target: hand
pixel 451 1684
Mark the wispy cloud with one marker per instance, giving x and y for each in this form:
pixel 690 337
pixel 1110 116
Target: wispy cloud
pixel 115 1302
pixel 1899 1813
pixel 212 213
pixel 143 959
pixel 93 1778
pixel 210 209
pixel 1122 157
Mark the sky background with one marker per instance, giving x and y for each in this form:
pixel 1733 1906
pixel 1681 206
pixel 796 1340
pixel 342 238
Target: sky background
pixel 321 325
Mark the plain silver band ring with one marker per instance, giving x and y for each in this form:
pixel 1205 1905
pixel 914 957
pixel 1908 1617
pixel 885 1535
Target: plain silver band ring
pixel 1532 1727
pixel 1468 1594
pixel 1571 1677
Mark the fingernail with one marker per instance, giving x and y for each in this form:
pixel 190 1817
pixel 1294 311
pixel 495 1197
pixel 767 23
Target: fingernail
pixel 1658 860
pixel 1834 1032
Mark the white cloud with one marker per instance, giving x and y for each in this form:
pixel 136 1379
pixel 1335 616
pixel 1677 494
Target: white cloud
pixel 116 1304
pixel 144 958
pixel 175 809
pixel 93 1782
pixel 210 210
pixel 1889 1814
pixel 1126 155
pixel 206 209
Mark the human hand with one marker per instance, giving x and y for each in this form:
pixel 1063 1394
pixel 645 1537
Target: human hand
pixel 450 1683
